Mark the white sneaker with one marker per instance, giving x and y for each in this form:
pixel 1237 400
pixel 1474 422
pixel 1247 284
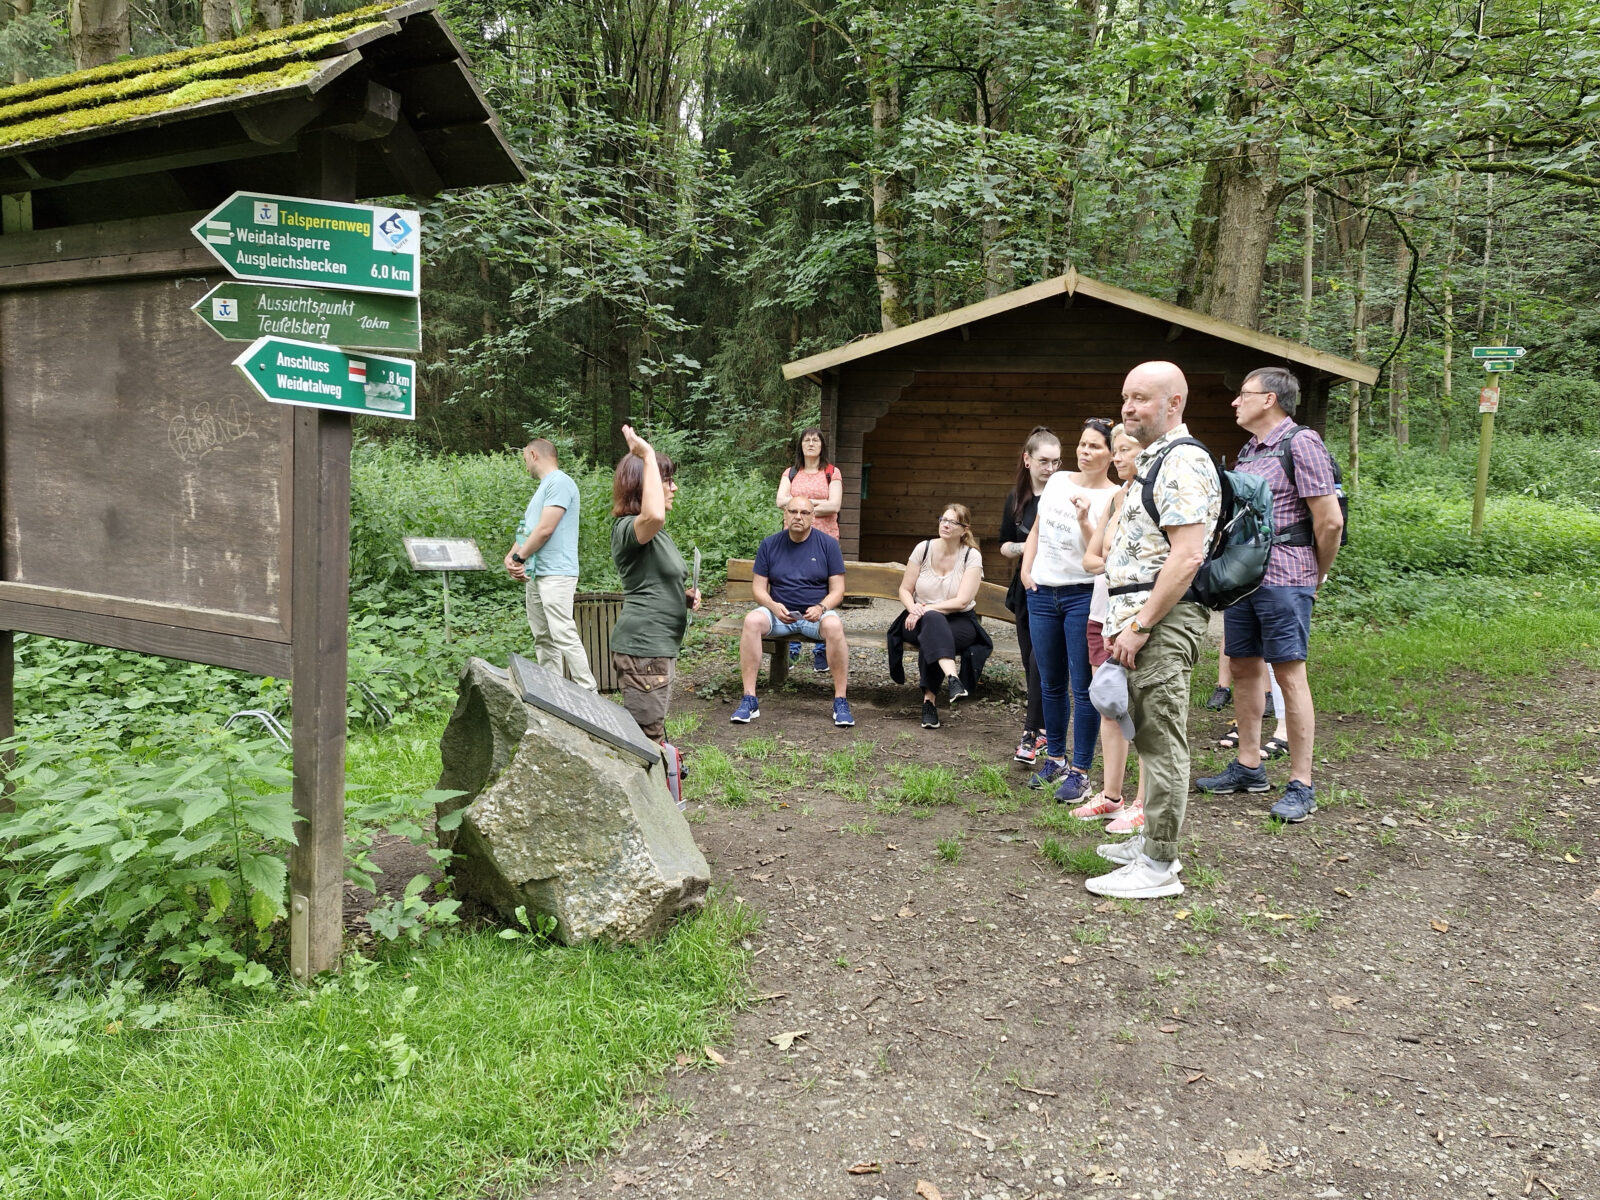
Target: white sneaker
pixel 1142 879
pixel 1122 853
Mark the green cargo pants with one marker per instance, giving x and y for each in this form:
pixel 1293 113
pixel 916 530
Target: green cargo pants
pixel 1158 698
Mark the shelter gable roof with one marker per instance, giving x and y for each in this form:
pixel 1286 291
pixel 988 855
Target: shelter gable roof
pixel 1074 284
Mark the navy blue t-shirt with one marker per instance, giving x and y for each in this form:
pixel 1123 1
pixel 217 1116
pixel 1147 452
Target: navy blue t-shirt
pixel 797 572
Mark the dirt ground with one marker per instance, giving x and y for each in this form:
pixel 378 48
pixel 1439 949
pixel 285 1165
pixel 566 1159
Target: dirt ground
pixel 1397 998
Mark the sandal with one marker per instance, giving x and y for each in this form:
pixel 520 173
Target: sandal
pixel 1275 747
pixel 1230 740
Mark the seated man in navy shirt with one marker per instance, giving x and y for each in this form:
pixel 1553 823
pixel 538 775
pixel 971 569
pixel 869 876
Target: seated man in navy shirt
pixel 798 580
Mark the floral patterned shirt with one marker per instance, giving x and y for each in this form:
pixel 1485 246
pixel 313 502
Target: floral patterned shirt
pixel 1189 492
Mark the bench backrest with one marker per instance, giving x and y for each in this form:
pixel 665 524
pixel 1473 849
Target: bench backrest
pixel 881 580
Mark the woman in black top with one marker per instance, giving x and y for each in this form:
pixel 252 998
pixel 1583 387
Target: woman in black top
pixel 1041 456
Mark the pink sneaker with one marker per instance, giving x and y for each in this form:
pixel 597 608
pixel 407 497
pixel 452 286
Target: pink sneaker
pixel 1098 808
pixel 1131 821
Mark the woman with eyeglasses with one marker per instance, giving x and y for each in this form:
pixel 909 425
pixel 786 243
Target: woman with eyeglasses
pixel 940 590
pixel 1059 591
pixel 1041 455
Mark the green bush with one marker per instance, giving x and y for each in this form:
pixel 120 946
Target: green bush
pixel 1552 468
pixel 126 865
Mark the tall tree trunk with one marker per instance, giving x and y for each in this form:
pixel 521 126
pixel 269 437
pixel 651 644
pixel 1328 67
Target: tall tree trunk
pixel 1488 240
pixel 276 14
pixel 1358 242
pixel 1236 215
pixel 1446 405
pixel 99 32
pixel 1308 251
pixel 216 20
pixel 888 188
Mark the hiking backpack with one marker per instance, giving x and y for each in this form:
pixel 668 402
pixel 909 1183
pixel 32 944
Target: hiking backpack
pixel 1236 559
pixel 1301 532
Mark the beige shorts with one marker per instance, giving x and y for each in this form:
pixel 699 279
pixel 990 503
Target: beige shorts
pixel 646 690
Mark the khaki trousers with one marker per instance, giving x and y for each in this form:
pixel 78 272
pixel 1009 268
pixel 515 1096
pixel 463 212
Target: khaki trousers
pixel 1158 698
pixel 555 634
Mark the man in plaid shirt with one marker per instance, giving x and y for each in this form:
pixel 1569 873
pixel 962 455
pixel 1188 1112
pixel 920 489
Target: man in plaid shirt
pixel 1274 624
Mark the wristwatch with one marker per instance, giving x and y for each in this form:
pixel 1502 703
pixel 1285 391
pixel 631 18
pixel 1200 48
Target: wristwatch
pixel 518 559
pixel 1138 628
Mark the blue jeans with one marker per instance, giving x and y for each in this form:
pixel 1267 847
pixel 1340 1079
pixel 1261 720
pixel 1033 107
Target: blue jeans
pixel 1058 621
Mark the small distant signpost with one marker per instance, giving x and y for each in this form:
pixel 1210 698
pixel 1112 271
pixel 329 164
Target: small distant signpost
pixel 318 376
pixel 289 239
pixel 1496 360
pixel 444 555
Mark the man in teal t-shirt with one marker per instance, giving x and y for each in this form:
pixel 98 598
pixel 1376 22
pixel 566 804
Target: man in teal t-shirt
pixel 545 557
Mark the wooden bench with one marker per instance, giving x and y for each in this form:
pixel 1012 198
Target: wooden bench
pixel 878 580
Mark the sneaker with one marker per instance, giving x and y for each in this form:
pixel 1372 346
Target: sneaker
pixel 1074 786
pixel 930 715
pixel 955 690
pixel 1100 808
pixel 819 659
pixel 1131 821
pixel 1235 778
pixel 1121 853
pixel 1220 698
pixel 1048 775
pixel 1299 801
pixel 749 709
pixel 1027 749
pixel 841 712
pixel 1141 879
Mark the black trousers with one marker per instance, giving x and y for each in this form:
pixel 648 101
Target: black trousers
pixel 940 635
pixel 1031 667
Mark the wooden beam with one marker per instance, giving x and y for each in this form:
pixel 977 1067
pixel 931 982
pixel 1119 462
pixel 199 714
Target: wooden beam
pixel 370 113
pixel 320 588
pixel 256 655
pixel 408 160
pixel 274 124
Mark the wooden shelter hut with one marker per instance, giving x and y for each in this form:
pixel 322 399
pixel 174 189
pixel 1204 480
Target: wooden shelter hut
pixel 936 412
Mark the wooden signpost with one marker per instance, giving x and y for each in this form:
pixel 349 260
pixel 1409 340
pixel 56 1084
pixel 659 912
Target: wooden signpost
pixel 1496 360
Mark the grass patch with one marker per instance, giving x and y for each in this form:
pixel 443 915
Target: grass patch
pixel 949 849
pixel 989 780
pixel 355 1089
pixel 924 786
pixel 758 748
pixel 1074 860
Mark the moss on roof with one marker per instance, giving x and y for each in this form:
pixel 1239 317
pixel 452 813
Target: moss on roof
pixel 142 87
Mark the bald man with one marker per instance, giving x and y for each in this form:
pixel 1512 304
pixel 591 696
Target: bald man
pixel 1153 632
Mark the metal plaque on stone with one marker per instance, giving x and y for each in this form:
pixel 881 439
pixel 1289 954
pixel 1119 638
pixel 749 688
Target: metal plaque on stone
pixel 578 706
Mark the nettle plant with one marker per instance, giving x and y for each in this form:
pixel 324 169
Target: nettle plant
pixel 124 864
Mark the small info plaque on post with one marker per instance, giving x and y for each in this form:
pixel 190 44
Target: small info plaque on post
pixel 579 706
pixel 444 554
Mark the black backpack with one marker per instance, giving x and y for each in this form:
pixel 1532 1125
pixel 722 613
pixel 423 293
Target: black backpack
pixel 1236 560
pixel 1301 532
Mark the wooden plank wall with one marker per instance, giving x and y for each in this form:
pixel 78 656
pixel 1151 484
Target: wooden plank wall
pixel 943 420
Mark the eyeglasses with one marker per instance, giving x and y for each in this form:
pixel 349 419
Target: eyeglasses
pixel 1100 424
pixel 1254 392
pixel 949 521
pixel 1047 462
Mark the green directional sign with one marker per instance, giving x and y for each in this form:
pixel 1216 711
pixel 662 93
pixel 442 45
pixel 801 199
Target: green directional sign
pixel 242 312
pixel 1506 364
pixel 1498 352
pixel 288 239
pixel 316 376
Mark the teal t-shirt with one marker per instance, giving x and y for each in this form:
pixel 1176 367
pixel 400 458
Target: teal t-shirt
pixel 559 555
pixel 654 611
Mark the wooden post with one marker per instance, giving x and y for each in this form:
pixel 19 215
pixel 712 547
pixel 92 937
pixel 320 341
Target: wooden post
pixel 1485 440
pixel 320 562
pixel 16 216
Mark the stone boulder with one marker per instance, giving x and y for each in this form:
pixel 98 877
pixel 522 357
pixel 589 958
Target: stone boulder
pixel 560 822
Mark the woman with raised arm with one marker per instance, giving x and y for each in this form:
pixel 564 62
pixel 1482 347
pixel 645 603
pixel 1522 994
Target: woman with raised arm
pixel 939 591
pixel 1041 455
pixel 1074 503
pixel 818 480
pixel 655 603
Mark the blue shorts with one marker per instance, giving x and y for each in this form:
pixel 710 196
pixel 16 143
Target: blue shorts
pixel 1273 623
pixel 802 627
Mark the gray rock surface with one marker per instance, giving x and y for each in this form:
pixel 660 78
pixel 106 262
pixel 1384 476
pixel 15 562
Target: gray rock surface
pixel 560 822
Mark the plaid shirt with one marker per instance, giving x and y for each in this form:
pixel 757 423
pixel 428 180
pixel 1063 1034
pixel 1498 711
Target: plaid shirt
pixel 1290 566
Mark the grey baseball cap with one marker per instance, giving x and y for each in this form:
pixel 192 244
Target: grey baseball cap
pixel 1109 695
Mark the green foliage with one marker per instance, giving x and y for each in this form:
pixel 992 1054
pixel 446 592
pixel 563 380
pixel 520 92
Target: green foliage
pixel 343 1089
pixel 125 864
pixel 924 786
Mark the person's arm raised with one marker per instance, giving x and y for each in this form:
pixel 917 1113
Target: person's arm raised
pixel 653 493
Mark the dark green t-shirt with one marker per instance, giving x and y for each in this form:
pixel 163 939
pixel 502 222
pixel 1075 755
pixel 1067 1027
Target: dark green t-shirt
pixel 654 612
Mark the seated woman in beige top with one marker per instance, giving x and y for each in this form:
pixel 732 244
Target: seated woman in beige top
pixel 940 590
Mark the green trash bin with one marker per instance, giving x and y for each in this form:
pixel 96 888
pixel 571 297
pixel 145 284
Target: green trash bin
pixel 596 615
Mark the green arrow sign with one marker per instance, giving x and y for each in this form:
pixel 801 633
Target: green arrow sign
pixel 288 239
pixel 1506 364
pixel 314 376
pixel 242 312
pixel 1498 352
